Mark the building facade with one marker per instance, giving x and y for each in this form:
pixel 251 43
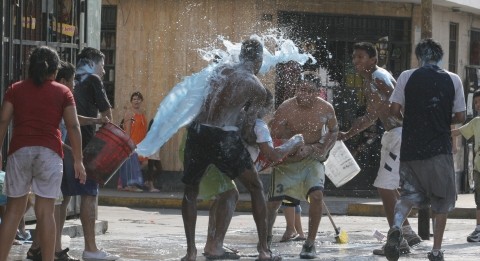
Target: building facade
pixel 157 42
pixel 65 25
pixel 150 45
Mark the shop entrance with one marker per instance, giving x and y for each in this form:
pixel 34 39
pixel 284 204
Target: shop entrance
pixel 31 23
pixel 28 24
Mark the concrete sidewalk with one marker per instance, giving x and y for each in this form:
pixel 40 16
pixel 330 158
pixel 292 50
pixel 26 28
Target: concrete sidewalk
pixel 138 234
pixel 148 226
pixel 350 206
pixel 340 206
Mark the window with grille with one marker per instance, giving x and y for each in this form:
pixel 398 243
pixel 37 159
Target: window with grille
pixel 453 48
pixel 108 38
pixel 475 47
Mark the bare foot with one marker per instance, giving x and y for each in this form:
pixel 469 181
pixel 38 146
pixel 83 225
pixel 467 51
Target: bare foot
pixel 268 257
pixel 222 253
pixel 190 256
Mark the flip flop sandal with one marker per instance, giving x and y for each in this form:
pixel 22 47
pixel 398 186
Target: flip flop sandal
pixel 288 239
pixel 299 238
pixel 226 248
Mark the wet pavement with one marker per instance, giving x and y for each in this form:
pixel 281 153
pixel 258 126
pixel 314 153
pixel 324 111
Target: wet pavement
pixel 157 234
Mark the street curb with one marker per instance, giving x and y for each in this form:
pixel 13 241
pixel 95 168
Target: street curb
pixel 376 210
pixel 73 228
pixel 175 203
pixel 351 209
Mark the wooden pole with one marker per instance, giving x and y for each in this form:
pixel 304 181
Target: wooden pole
pixel 424 213
pixel 427 8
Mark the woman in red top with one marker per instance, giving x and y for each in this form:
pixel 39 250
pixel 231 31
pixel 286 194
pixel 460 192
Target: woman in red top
pixel 35 154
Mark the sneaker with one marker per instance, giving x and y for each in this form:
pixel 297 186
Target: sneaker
pixel 308 251
pixel 64 256
pixel 412 238
pixel 394 238
pixel 474 236
pixel 34 254
pixel 99 255
pixel 404 248
pixel 438 257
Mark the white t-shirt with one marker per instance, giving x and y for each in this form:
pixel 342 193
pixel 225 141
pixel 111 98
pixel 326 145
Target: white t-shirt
pixel 263 135
pixel 398 95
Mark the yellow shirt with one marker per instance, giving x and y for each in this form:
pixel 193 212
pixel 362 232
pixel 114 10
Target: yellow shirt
pixel 472 128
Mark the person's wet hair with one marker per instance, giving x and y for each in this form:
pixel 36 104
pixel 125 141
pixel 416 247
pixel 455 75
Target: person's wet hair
pixel 476 93
pixel 312 77
pixel 65 71
pixel 429 50
pixel 136 94
pixel 251 50
pixel 91 54
pixel 369 48
pixel 43 62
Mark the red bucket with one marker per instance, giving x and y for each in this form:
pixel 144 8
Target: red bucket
pixel 106 152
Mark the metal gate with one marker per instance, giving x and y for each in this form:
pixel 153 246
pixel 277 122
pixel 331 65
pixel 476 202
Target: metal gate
pixel 330 39
pixel 31 23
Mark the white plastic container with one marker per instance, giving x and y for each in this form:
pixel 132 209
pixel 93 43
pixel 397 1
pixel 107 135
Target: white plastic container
pixel 378 235
pixel 340 166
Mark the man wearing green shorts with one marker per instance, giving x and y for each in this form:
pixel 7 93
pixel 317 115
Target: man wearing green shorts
pixel 302 175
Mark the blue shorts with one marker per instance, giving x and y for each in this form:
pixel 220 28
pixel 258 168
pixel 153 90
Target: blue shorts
pixel 70 185
pixel 286 203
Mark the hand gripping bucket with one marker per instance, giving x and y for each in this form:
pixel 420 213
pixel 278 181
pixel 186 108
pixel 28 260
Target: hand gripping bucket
pixel 106 152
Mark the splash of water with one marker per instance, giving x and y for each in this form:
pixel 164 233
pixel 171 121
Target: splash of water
pixel 284 50
pixel 182 104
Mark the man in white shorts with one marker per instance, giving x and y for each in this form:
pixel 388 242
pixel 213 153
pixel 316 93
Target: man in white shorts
pixel 378 85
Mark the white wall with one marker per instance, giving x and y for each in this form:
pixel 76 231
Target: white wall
pixel 442 17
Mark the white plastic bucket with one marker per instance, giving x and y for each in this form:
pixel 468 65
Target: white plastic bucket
pixel 340 166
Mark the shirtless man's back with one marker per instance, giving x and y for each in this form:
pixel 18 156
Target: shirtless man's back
pixel 232 88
